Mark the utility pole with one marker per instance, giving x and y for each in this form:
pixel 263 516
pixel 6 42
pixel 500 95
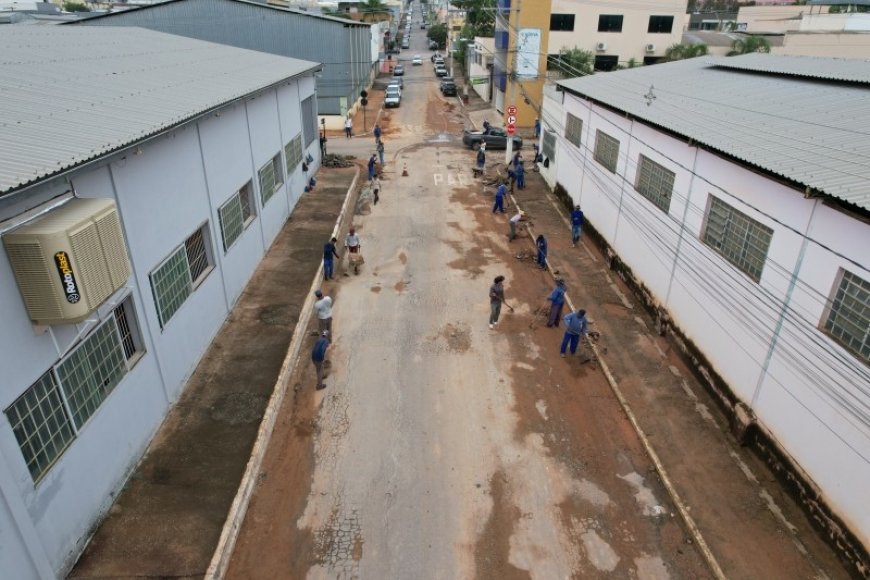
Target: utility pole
pixel 512 77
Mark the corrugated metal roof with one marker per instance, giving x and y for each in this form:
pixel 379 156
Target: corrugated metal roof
pixel 810 132
pixel 72 94
pixel 831 69
pixel 339 20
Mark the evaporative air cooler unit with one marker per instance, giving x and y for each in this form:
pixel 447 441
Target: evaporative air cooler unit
pixel 69 261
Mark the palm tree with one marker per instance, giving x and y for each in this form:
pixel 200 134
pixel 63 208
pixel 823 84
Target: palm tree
pixel 684 51
pixel 750 44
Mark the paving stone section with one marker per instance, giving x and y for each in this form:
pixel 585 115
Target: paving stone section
pixel 167 521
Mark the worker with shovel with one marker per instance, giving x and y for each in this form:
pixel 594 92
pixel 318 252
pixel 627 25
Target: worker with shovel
pixel 496 299
pixel 576 326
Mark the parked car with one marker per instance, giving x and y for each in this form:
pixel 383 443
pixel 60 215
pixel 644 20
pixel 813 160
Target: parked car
pixel 440 71
pixel 448 87
pixel 393 98
pixel 496 139
pixel 398 81
pixel 417 60
pixel 394 85
pixel 406 44
pixel 399 70
pixel 433 45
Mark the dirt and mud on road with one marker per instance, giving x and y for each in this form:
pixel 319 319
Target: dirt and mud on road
pixel 444 449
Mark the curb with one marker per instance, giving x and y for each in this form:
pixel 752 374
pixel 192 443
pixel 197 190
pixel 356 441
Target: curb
pixel 232 526
pixel 697 537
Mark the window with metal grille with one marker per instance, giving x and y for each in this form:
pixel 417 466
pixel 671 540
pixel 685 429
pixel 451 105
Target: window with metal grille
pixel 740 239
pixel 606 150
pixel 562 22
pixel 90 372
pixel 271 178
pixel 573 129
pixel 293 153
pixel 655 183
pixel 235 215
pixel 660 24
pixel 41 425
pixel 848 319
pixel 309 120
pixel 548 145
pixel 610 23
pixel 175 279
pixel 47 417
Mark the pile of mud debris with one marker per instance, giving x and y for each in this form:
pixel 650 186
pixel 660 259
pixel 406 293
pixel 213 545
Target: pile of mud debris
pixel 333 160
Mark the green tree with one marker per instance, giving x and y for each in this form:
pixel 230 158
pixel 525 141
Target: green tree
pixel 750 44
pixel 438 34
pixel 684 51
pixel 572 62
pixel 75 7
pixel 479 16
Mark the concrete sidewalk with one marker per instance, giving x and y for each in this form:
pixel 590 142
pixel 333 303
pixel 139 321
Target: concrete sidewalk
pixel 724 485
pixel 168 519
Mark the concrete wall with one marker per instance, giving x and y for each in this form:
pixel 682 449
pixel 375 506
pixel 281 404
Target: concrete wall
pixel 761 338
pixel 628 44
pixel 834 44
pixel 165 189
pixel 774 19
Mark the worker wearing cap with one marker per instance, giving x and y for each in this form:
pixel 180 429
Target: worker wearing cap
pixel 318 355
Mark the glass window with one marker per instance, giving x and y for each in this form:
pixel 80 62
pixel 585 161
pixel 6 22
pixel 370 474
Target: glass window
pixel 548 145
pixel 92 371
pixel 606 150
pixel 573 129
pixel 271 178
pixel 562 22
pixel 737 237
pixel 655 183
pixel 41 425
pixel 235 215
pixel 848 320
pixel 606 62
pixel 660 24
pixel 293 153
pixel 309 121
pixel 175 279
pixel 610 23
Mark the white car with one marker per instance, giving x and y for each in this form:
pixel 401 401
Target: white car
pixel 417 60
pixel 393 97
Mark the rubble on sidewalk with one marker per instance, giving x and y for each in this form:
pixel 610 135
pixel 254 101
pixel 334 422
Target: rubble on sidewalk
pixel 334 160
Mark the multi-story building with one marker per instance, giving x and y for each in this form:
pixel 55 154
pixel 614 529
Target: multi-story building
pixel 742 210
pixel 618 34
pixel 143 176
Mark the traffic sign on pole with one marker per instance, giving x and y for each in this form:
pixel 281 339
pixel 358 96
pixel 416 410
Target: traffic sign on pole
pixel 512 120
pixel 511 128
pixel 512 110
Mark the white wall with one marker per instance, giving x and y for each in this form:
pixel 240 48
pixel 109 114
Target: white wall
pixel 165 189
pixel 808 394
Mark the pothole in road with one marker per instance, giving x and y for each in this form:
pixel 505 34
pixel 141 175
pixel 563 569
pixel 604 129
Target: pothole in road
pixel 339 544
pixel 458 337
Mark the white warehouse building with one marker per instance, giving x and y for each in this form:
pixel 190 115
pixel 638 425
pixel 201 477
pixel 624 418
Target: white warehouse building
pixel 735 195
pixel 142 178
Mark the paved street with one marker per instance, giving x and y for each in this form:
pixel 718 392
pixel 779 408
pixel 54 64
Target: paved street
pixel 444 449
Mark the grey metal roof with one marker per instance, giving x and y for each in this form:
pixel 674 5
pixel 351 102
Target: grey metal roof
pixel 336 19
pixel 808 131
pixel 72 94
pixel 832 69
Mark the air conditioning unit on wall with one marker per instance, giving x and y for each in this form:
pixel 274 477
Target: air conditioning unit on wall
pixel 601 47
pixel 69 261
pixel 650 48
